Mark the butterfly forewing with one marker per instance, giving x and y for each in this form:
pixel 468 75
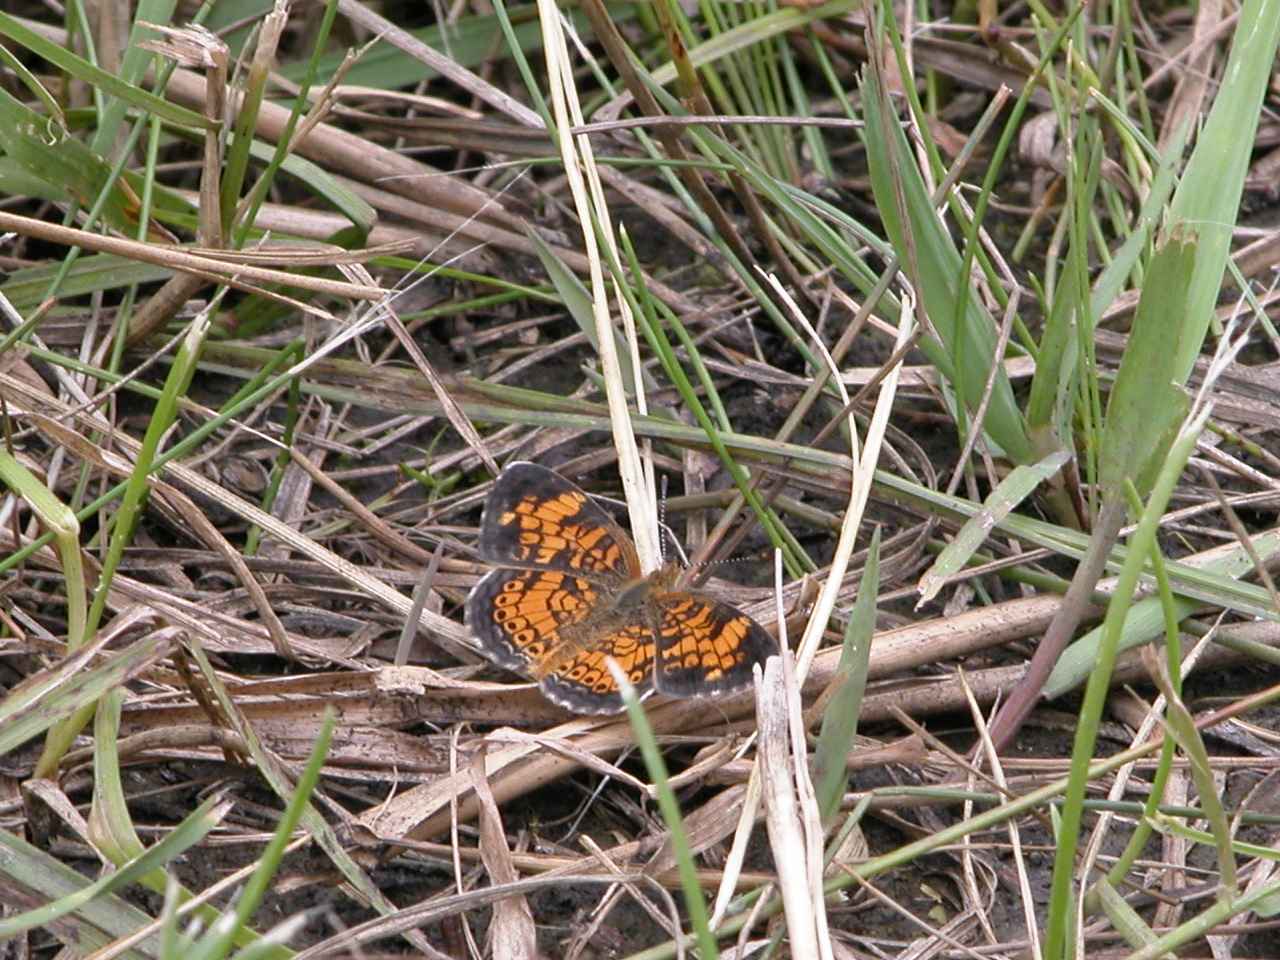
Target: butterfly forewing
pixel 705 647
pixel 536 519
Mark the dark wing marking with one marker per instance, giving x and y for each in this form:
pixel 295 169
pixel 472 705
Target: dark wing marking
pixel 536 519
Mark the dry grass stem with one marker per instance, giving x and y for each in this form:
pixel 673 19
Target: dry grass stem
pixel 962 317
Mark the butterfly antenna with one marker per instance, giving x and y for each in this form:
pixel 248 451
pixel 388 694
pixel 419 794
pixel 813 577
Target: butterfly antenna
pixel 662 520
pixel 669 535
pixel 740 558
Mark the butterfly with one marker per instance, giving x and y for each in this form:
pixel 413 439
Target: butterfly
pixel 566 592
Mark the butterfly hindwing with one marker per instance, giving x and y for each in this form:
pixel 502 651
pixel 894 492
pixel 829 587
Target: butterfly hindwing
pixel 518 615
pixel 580 679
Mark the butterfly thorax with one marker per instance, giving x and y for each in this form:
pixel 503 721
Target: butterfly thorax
pixel 630 603
pixel 636 593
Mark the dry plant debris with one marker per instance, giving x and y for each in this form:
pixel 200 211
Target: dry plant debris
pixel 936 337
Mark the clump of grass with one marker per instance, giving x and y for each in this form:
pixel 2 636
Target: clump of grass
pixel 272 320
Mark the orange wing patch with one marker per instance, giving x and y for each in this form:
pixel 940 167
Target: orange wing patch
pixel 581 680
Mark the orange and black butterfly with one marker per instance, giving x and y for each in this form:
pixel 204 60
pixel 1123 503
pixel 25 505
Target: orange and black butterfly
pixel 567 592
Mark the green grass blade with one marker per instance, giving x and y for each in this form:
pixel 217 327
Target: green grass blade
pixel 577 301
pixel 235 164
pixel 59 519
pixel 840 721
pixel 1145 619
pixel 1208 198
pixel 669 807
pixel 162 417
pixel 1021 482
pixel 54 694
pixel 94 906
pixel 364 216
pixel 54 157
pixel 218 941
pixel 1123 917
pixel 97 78
pixel 930 257
pixel 1146 405
pixel 110 827
pixel 1062 892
